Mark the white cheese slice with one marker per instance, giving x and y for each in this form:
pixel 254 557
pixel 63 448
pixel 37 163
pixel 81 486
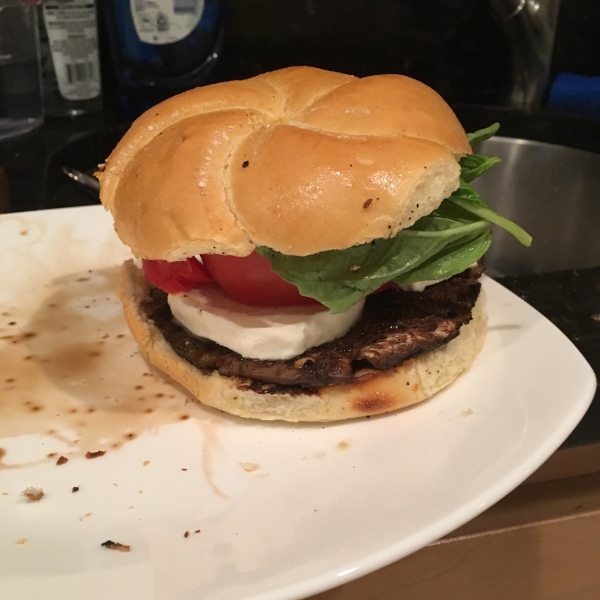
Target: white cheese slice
pixel 264 333
pixel 419 286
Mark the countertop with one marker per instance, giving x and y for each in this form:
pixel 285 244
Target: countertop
pixel 571 300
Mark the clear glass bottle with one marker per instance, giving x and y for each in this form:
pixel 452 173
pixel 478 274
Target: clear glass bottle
pixel 162 47
pixel 21 107
pixel 70 58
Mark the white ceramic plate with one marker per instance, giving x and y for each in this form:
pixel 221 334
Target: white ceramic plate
pixel 273 511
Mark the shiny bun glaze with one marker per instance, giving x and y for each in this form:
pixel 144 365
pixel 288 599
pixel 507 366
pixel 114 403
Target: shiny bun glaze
pixel 300 160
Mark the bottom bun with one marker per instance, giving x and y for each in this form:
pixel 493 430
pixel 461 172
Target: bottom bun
pixel 374 393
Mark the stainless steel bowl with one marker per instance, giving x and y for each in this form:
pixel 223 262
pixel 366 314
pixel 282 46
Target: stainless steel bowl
pixel 551 191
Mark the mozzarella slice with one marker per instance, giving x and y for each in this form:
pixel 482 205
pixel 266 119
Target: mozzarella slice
pixel 265 333
pixel 419 286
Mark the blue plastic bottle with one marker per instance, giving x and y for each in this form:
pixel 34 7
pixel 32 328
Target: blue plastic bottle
pixel 162 47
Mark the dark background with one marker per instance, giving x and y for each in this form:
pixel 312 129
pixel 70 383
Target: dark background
pixel 458 47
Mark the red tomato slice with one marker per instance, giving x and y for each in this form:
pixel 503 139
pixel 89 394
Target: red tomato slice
pixel 385 286
pixel 250 280
pixel 174 277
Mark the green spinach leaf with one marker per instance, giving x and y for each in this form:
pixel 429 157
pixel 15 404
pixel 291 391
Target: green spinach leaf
pixel 482 134
pixel 439 245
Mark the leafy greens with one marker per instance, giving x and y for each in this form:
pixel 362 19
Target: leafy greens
pixel 437 246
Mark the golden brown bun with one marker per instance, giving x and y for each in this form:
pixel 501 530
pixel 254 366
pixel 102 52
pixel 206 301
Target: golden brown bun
pixel 412 381
pixel 300 160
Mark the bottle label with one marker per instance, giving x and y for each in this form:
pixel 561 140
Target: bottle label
pixel 73 35
pixel 160 22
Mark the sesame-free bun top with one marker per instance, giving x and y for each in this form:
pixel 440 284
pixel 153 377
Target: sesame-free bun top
pixel 300 160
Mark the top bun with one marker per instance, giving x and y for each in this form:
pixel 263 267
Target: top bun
pixel 300 160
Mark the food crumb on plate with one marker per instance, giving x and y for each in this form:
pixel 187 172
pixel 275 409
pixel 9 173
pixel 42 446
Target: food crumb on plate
pixel 249 467
pixel 466 413
pixel 20 542
pixel 116 546
pixel 33 494
pixel 96 454
pixel 187 533
pixel 62 460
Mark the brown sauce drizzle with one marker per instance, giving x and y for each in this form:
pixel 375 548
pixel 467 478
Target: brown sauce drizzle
pixel 72 371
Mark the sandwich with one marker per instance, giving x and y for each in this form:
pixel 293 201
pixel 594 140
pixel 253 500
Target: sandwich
pixel 309 245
